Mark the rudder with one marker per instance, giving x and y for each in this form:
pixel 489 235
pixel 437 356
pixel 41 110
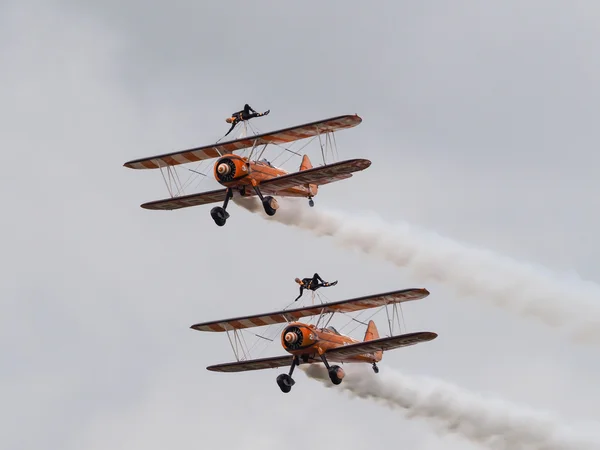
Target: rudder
pixel 305 165
pixel 370 335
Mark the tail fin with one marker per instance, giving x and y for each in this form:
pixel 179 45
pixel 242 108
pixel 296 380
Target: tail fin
pixel 305 165
pixel 370 335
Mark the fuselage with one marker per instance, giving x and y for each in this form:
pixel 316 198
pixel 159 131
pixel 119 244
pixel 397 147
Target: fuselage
pixel 309 342
pixel 238 172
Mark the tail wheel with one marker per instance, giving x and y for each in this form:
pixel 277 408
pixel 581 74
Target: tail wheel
pixel 285 382
pixel 270 205
pixel 336 374
pixel 219 215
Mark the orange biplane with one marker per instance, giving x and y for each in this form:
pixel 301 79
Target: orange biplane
pixel 245 177
pixel 309 343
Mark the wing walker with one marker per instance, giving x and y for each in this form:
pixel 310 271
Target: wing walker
pixel 247 176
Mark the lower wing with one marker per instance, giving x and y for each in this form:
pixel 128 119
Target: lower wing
pixel 382 344
pixel 253 364
pixel 186 201
pixel 318 175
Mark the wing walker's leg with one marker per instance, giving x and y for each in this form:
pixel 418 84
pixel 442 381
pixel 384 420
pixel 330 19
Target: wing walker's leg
pixel 269 203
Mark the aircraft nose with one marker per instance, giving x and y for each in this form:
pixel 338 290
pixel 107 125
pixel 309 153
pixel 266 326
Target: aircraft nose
pixel 290 338
pixel 223 169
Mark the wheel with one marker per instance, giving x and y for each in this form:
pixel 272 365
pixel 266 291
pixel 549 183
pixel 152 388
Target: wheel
pixel 285 382
pixel 219 215
pixel 311 202
pixel 270 205
pixel 375 368
pixel 336 374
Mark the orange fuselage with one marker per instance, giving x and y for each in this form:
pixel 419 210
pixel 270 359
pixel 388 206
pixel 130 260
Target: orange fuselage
pixel 309 342
pixel 238 172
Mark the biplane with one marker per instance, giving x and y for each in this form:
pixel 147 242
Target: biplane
pixel 310 343
pixel 244 176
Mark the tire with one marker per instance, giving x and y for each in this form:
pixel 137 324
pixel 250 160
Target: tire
pixel 336 374
pixel 270 205
pixel 219 215
pixel 285 382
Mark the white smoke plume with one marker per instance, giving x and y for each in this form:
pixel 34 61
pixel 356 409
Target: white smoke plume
pixel 535 292
pixel 491 423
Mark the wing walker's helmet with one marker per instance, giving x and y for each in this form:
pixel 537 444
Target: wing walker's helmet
pixel 297 280
pixel 229 119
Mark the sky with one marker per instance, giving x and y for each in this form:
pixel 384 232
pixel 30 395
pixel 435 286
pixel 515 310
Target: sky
pixel 478 120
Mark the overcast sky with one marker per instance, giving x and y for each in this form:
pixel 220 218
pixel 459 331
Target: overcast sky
pixel 480 121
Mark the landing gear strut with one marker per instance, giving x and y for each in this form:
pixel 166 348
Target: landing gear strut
pixel 285 380
pixel 269 203
pixel 218 213
pixel 336 373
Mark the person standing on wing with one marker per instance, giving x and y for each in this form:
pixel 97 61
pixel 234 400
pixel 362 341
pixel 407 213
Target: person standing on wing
pixel 245 114
pixel 312 284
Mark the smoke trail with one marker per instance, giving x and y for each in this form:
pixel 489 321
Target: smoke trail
pixel 522 288
pixel 489 422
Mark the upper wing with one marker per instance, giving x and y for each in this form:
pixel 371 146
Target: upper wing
pixel 276 137
pixel 187 200
pixel 253 364
pixel 383 344
pixel 290 315
pixel 318 175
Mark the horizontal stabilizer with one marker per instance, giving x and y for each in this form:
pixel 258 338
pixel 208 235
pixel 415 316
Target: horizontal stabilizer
pixel 382 344
pixel 291 315
pixel 275 137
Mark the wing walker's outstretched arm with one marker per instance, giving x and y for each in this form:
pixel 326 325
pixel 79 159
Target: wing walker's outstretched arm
pixel 233 124
pixel 301 292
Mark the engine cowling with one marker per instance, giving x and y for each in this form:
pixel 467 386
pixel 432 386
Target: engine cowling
pixel 295 337
pixel 230 168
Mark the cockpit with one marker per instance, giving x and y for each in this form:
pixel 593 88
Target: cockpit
pixel 266 162
pixel 333 330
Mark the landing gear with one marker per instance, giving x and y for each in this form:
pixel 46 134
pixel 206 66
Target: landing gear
pixel 218 213
pixel 285 380
pixel 375 368
pixel 311 202
pixel 269 203
pixel 336 373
